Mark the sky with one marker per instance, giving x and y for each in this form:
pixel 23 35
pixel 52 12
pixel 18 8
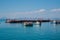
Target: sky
pixel 30 8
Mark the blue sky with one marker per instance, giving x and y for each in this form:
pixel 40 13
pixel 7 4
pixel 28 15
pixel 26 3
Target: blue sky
pixel 30 8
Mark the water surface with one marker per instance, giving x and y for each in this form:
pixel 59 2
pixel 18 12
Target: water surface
pixel 46 31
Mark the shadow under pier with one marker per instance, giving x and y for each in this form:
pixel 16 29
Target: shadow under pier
pixel 22 21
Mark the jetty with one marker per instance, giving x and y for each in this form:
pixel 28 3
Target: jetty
pixel 22 21
pixel 30 22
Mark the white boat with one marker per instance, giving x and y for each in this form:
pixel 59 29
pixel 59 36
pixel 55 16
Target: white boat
pixel 56 21
pixel 28 24
pixel 38 23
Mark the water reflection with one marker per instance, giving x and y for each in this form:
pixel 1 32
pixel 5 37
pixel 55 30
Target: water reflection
pixel 18 31
pixel 27 26
pixel 38 25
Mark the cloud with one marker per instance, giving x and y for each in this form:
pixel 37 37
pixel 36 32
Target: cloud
pixel 31 12
pixel 42 10
pixel 26 14
pixel 55 10
pixel 37 11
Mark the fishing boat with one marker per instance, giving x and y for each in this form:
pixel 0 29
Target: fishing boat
pixel 56 21
pixel 28 24
pixel 37 22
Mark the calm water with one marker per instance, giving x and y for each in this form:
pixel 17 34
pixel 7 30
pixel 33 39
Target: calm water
pixel 46 31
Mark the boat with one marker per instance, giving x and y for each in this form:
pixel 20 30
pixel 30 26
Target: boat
pixel 28 24
pixel 38 23
pixel 56 21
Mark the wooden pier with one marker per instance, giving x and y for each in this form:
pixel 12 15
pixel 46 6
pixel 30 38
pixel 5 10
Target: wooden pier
pixel 22 21
pixel 30 22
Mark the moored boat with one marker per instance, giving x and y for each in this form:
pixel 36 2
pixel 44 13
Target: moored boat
pixel 28 24
pixel 56 21
pixel 38 23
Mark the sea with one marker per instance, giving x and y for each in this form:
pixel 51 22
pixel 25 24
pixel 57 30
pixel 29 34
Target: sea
pixel 17 31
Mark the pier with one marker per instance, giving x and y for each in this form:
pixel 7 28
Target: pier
pixel 30 22
pixel 22 21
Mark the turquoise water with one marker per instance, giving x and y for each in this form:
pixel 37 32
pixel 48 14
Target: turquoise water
pixel 46 31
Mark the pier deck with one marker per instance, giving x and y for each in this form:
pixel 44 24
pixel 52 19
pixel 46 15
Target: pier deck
pixel 22 21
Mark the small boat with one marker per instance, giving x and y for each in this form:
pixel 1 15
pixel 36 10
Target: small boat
pixel 8 21
pixel 38 23
pixel 56 21
pixel 28 24
pixel 12 21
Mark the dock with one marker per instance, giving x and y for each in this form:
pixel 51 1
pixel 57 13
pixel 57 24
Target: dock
pixel 30 22
pixel 22 21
